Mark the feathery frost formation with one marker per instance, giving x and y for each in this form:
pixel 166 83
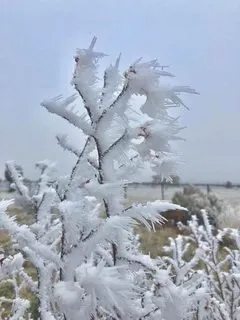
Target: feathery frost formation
pixel 82 243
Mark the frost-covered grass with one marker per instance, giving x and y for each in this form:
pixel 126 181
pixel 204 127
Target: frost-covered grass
pixel 230 217
pixel 6 288
pixel 153 242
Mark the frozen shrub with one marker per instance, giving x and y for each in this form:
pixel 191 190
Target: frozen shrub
pixel 86 255
pixel 195 200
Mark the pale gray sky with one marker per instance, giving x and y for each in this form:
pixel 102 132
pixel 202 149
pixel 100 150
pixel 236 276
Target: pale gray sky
pixel 199 39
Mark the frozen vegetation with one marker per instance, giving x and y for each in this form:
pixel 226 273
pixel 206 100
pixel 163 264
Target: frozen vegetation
pixel 82 245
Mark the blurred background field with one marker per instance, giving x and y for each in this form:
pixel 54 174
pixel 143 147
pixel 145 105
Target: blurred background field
pixel 143 192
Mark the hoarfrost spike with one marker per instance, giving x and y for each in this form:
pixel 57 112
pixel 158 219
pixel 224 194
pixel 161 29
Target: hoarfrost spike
pixel 93 42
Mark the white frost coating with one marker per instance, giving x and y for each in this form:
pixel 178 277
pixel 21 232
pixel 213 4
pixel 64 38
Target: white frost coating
pixel 163 206
pixel 12 264
pixel 58 106
pixel 157 135
pixel 36 243
pixel 4 204
pixel 82 241
pixel 47 177
pixel 112 82
pixel 17 178
pixel 106 284
pixel 10 267
pixel 67 145
pixel 85 77
pixel 151 212
pixel 26 238
pixel 19 308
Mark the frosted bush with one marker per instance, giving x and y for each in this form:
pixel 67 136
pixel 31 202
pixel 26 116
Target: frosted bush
pixel 82 243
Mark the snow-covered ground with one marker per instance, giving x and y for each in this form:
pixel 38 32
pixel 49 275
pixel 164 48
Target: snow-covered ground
pixel 143 192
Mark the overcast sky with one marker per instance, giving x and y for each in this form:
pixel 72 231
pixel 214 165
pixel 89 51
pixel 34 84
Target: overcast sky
pixel 200 40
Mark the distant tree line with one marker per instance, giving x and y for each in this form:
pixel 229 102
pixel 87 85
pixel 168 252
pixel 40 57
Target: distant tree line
pixel 175 180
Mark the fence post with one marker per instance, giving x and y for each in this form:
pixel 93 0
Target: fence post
pixel 208 189
pixel 162 190
pixel 125 191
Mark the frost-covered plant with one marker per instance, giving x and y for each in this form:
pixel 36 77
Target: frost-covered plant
pixel 195 200
pixel 12 274
pixel 38 243
pixel 230 216
pixel 207 270
pixel 88 261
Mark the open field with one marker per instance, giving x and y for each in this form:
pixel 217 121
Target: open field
pixel 147 192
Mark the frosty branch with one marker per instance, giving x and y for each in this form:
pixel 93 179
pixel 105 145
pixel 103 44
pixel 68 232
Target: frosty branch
pixel 83 242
